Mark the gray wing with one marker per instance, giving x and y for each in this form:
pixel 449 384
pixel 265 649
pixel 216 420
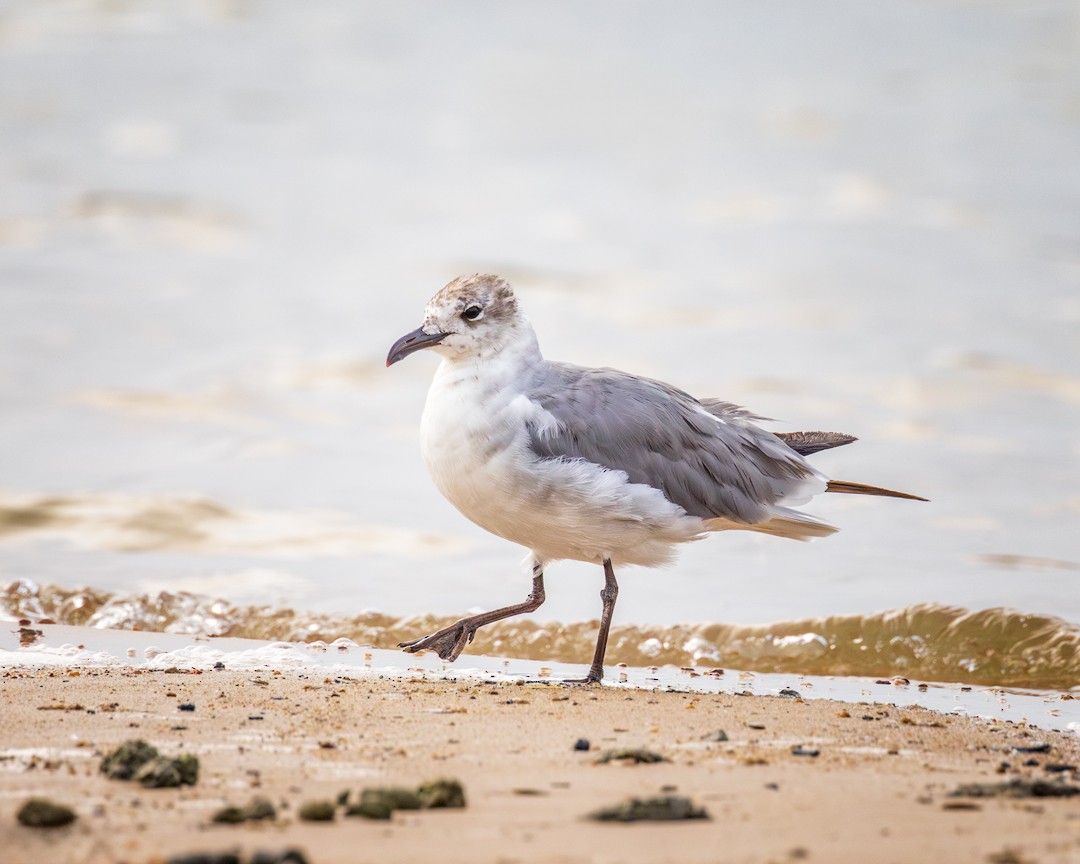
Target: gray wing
pixel 710 464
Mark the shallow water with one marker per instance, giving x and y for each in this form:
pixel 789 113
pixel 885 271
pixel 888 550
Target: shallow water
pixel 217 218
pixel 933 643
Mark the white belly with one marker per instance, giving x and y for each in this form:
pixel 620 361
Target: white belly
pixel 475 443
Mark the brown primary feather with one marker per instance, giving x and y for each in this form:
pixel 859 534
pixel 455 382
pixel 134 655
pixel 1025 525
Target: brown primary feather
pixel 805 443
pixel 850 488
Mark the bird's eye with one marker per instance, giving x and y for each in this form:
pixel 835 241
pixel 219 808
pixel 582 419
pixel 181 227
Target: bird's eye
pixel 473 313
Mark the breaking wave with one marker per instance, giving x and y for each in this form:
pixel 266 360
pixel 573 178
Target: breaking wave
pixel 995 647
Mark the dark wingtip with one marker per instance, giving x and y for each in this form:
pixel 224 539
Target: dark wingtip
pixel 805 443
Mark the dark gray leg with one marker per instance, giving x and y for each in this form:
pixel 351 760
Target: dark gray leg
pixel 449 642
pixel 609 594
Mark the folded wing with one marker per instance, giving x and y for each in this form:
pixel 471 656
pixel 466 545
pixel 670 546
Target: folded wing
pixel 715 464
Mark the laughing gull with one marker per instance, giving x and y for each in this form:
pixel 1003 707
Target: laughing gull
pixel 592 464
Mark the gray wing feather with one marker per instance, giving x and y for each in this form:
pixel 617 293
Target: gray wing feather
pixel 711 466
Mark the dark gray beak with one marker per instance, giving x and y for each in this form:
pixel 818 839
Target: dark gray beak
pixel 412 342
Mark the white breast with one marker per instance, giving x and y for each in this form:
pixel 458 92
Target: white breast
pixel 474 439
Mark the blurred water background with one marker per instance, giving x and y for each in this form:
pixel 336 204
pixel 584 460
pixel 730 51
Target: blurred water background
pixel 216 216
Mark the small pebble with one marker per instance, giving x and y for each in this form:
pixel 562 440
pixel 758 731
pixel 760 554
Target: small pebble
pixel 581 744
pixel 805 751
pixel 43 813
pixel 1032 748
pixel 186 706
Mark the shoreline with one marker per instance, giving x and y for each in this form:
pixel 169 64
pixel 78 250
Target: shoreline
pixel 931 642
pixel 59 645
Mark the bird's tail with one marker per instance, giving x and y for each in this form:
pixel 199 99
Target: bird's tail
pixel 782 522
pixel 849 488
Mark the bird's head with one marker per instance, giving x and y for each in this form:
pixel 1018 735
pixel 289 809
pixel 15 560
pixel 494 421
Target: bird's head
pixel 472 317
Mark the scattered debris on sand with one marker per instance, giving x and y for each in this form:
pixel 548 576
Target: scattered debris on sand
pixel 441 793
pixel 317 811
pixel 1018 787
pixel 381 802
pixel 663 808
pixel 256 810
pixel 139 761
pixel 636 755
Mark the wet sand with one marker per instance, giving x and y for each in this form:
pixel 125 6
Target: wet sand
pixel 878 790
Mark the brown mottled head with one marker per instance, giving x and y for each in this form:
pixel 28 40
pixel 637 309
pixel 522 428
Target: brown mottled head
pixel 472 317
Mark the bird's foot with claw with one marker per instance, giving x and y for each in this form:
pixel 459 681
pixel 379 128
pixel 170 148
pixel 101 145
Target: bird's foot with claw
pixel 595 676
pixel 448 643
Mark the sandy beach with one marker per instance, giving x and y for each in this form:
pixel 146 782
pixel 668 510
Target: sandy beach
pixel 877 790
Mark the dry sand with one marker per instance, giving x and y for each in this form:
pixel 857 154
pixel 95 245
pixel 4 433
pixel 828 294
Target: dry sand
pixel 878 791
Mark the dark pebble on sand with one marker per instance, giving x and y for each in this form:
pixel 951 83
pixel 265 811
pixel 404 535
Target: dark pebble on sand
pixel 581 744
pixel 186 706
pixel 1032 748
pixel 718 735
pixel 788 693
pixel 664 808
pixel 219 665
pixel 43 813
pixel 805 751
pixel 1058 767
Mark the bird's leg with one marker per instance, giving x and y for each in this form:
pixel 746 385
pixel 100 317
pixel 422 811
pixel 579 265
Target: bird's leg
pixel 449 642
pixel 609 593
